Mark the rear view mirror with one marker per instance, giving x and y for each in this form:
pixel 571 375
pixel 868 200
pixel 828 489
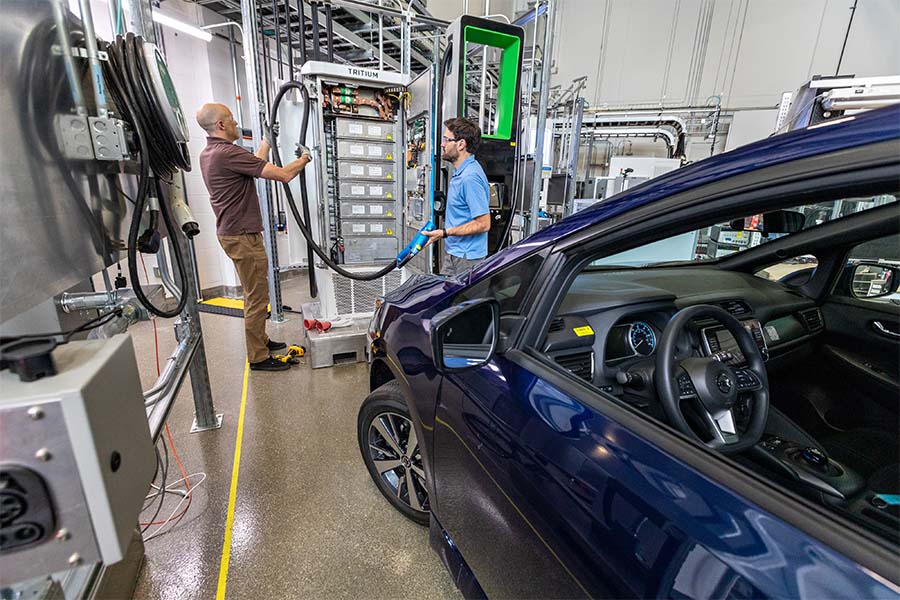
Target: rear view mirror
pixel 873 280
pixel 777 221
pixel 465 336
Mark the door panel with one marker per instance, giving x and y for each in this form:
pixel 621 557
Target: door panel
pixel 871 359
pixel 547 497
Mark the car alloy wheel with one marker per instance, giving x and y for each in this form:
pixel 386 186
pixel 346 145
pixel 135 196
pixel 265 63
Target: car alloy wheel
pixel 394 450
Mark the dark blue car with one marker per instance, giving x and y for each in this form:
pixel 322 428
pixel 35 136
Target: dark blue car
pixel 689 390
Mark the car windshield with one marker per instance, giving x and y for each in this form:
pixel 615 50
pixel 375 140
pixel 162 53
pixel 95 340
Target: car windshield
pixel 717 241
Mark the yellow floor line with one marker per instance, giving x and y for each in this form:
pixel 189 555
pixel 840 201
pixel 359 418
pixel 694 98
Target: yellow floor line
pixel 232 496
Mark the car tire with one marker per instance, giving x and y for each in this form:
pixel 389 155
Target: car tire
pixel 392 465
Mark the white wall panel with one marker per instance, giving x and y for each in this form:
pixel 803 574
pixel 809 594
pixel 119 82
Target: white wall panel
pixel 756 49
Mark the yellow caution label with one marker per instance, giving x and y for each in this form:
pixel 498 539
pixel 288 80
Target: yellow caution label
pixel 390 232
pixel 389 156
pixel 390 175
pixel 513 144
pixel 390 136
pixel 583 331
pixel 390 213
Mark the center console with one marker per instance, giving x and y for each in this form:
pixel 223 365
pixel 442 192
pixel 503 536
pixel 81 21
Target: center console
pixel 840 486
pixel 811 466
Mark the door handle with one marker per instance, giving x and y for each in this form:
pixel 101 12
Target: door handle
pixel 881 329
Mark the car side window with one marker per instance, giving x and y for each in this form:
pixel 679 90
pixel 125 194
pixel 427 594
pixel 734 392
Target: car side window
pixel 508 287
pixel 793 271
pixel 872 272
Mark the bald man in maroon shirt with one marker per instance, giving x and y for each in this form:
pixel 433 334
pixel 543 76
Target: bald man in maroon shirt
pixel 229 172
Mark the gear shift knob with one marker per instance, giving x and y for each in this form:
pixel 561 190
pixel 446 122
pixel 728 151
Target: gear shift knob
pixel 814 457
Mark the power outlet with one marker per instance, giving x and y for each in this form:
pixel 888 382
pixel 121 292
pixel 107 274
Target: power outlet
pixel 26 513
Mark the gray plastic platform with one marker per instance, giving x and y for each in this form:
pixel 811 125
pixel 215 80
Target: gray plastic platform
pixel 338 346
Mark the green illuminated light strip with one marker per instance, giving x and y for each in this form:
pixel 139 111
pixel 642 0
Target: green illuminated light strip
pixel 510 61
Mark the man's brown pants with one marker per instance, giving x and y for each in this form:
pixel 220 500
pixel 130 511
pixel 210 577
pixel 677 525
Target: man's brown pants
pixel 248 253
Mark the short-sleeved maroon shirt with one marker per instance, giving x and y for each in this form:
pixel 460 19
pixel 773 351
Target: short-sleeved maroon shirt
pixel 229 172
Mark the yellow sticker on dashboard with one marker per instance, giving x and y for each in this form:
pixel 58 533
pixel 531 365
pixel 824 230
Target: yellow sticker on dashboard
pixel 583 331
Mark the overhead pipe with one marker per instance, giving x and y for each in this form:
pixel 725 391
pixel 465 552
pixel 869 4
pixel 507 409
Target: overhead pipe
pixel 290 38
pixel 74 81
pixel 301 12
pixel 837 69
pixel 635 118
pixel 391 12
pixel 380 39
pixel 329 31
pixel 278 38
pixel 671 139
pixel 484 53
pixel 314 7
pixel 238 104
pixel 93 52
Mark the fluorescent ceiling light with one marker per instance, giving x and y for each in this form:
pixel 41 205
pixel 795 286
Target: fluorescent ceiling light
pixel 168 21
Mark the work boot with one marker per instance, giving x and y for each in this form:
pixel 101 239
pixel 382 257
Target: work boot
pixel 270 364
pixel 273 345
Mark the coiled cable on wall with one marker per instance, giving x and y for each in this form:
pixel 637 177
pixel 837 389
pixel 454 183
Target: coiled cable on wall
pixel 128 83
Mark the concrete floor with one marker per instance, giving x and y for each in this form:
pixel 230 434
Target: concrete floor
pixel 308 520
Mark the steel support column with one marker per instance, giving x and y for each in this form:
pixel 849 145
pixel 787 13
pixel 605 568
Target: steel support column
pixel 574 147
pixel 205 417
pixel 549 24
pixel 257 109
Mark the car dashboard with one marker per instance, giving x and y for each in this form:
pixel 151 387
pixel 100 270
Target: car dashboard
pixel 611 322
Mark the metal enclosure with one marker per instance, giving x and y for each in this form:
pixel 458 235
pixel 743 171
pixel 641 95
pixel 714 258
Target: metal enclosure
pixel 358 214
pixel 76 460
pixel 62 217
pixel 419 161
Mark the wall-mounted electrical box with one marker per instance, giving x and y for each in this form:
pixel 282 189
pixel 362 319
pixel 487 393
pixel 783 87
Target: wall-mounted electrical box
pixel 76 460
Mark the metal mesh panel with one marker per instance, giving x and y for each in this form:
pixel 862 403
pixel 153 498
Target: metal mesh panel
pixel 343 294
pixel 358 297
pixel 364 294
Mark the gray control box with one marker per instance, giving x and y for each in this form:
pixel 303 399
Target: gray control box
pixel 365 171
pixel 362 189
pixel 369 227
pixel 359 209
pixel 367 130
pixel 76 460
pixel 370 250
pixel 360 150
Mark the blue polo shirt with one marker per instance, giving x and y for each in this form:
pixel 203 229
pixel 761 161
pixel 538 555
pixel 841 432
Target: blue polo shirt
pixel 468 197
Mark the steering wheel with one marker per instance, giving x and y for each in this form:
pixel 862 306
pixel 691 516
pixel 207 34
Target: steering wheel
pixel 711 383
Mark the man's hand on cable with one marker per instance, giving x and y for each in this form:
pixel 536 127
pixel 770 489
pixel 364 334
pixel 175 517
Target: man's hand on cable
pixel 301 151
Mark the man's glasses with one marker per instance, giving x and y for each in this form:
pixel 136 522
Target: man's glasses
pixel 445 139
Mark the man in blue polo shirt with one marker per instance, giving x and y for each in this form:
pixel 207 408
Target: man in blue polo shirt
pixel 468 215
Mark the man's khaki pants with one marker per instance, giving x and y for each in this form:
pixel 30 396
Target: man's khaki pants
pixel 248 253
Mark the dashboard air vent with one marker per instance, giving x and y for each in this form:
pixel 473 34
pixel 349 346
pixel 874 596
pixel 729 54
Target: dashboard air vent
pixel 581 364
pixel 737 308
pixel 812 319
pixel 556 325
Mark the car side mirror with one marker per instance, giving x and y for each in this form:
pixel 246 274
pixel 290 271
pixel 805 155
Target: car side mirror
pixel 874 280
pixel 465 336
